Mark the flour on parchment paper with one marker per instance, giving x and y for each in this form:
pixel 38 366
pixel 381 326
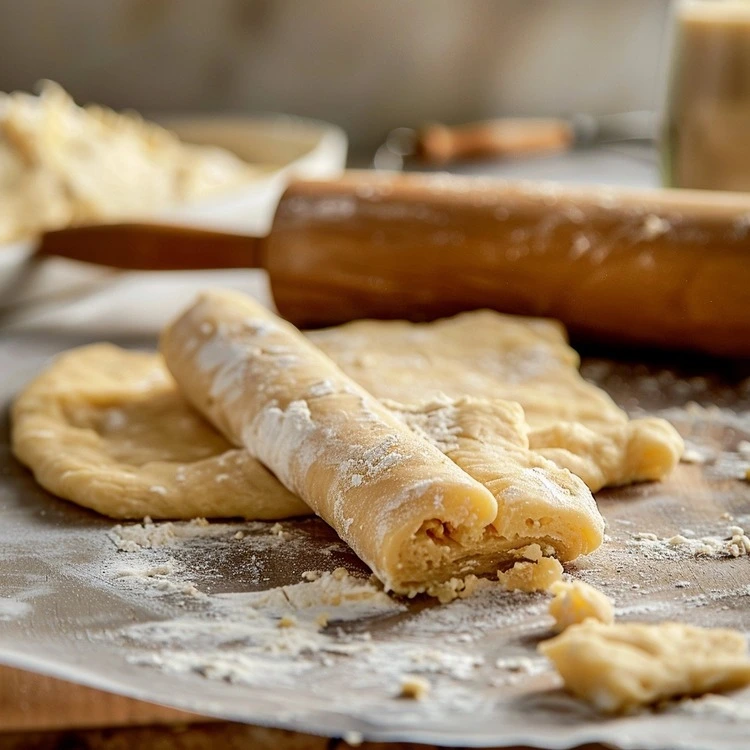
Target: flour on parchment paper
pixel 150 535
pixel 735 543
pixel 322 622
pixel 326 628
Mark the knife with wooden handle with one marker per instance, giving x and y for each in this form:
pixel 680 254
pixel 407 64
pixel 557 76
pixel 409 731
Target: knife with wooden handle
pixel 663 268
pixel 435 144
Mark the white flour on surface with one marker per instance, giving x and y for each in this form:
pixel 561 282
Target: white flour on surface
pixel 324 621
pixel 150 535
pixel 687 544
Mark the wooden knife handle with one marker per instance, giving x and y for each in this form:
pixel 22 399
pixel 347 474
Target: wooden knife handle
pixel 440 144
pixel 152 247
pixel 666 268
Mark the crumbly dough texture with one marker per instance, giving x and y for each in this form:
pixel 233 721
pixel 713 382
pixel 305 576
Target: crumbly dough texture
pixel 490 356
pixel 529 576
pixel 414 515
pixel 61 164
pixel 622 667
pixel 576 601
pixel 108 429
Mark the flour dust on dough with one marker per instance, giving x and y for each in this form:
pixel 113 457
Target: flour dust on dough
pixel 108 429
pixel 489 356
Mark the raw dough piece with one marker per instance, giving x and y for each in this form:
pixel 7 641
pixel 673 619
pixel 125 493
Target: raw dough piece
pixel 414 687
pixel 576 601
pixel 107 428
pixel 406 509
pixel 491 356
pixel 525 575
pixel 621 667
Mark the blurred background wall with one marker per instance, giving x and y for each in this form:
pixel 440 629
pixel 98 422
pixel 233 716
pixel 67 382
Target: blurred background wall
pixel 368 65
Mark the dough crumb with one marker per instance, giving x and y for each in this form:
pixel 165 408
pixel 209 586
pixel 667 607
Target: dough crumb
pixel 322 620
pixel 531 576
pixel 620 668
pixel 414 688
pixel 457 588
pixel 576 601
pixel 287 622
pixel 150 535
pixel 312 575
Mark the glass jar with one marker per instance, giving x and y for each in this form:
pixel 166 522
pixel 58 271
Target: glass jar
pixel 706 136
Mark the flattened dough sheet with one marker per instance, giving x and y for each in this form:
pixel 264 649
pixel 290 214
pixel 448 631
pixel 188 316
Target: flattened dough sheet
pixel 108 429
pixel 527 360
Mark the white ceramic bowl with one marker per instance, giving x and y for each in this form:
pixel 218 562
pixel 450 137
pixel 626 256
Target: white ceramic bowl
pixel 288 146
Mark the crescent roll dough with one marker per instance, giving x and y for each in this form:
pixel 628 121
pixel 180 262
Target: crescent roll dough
pixel 415 516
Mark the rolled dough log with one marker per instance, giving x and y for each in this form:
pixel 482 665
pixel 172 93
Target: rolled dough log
pixel 527 360
pixel 108 429
pixel 405 508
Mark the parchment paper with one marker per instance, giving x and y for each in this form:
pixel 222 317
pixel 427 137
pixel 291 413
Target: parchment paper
pixel 69 607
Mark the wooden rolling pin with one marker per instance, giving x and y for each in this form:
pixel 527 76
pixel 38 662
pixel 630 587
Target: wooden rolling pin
pixel 664 268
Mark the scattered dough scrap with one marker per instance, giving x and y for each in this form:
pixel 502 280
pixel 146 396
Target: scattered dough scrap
pixel 576 601
pixel 413 515
pixel 108 429
pixel 490 356
pixel 622 667
pixel 414 687
pixel 61 164
pixel 531 576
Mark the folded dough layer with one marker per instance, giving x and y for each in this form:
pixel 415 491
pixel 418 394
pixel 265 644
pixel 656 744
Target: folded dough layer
pixel 527 360
pixel 108 429
pixel 488 440
pixel 406 509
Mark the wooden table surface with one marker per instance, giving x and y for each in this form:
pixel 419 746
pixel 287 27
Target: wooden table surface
pixel 43 713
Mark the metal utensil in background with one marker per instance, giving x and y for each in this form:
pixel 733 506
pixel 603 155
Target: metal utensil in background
pixel 437 145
